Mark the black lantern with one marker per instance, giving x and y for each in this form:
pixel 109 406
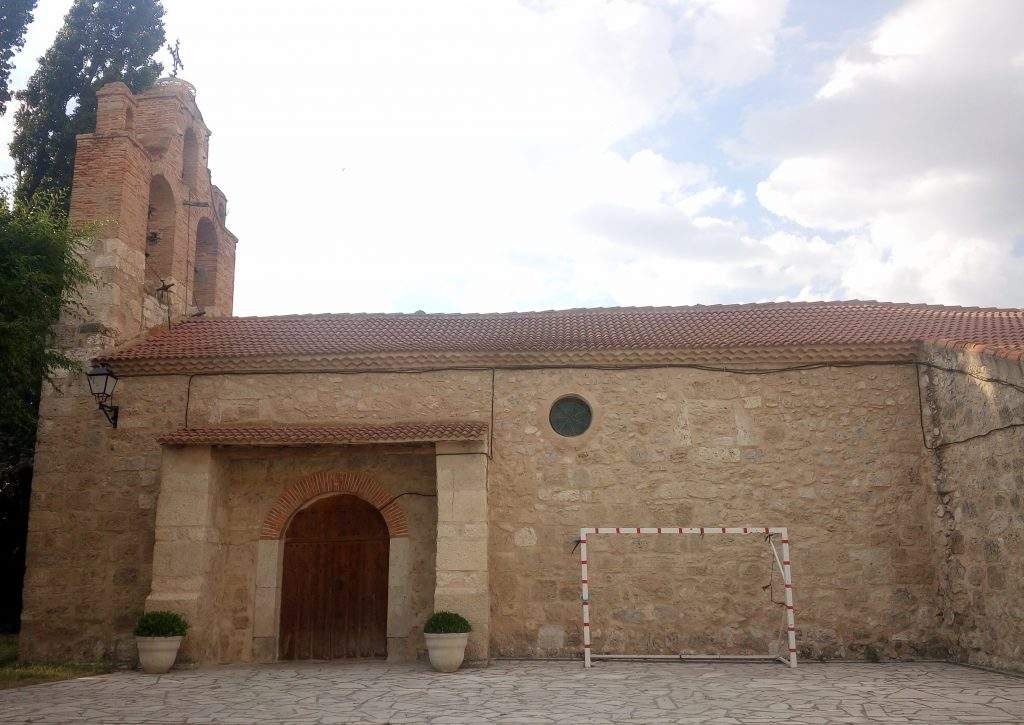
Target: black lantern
pixel 101 384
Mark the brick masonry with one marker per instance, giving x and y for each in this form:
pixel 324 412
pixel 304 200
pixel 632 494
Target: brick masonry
pixel 142 178
pixel 320 484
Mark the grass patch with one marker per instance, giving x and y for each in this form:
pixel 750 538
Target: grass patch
pixel 20 674
pixel 8 649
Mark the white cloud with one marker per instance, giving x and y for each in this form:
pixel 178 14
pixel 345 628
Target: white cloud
pixel 394 154
pixel 695 203
pixel 731 42
pixel 916 146
pixel 458 155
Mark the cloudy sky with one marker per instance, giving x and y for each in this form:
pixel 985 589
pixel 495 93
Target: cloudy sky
pixel 503 155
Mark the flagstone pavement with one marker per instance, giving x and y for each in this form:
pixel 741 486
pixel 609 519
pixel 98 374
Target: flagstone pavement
pixel 531 692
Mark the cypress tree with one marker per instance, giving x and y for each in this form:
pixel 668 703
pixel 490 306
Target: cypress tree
pixel 101 41
pixel 15 15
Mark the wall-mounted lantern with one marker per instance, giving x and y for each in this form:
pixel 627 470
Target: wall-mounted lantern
pixel 101 384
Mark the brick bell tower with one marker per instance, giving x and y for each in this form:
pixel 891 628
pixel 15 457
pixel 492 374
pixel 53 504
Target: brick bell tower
pixel 164 250
pixel 162 253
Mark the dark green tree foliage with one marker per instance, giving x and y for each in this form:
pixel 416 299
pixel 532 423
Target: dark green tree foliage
pixel 41 272
pixel 101 41
pixel 15 15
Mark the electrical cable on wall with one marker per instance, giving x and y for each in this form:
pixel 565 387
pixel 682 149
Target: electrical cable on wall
pixel 684 366
pixel 406 493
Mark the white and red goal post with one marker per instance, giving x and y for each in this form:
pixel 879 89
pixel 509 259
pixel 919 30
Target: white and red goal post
pixel 768 532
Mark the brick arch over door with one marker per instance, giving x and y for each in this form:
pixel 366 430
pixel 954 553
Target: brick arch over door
pixel 312 487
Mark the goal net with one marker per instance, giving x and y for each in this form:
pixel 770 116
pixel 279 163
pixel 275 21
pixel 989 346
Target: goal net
pixel 777 540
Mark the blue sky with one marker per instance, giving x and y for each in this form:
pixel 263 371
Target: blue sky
pixel 813 34
pixel 392 155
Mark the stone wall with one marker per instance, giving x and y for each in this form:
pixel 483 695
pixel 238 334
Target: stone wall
pixel 254 480
pixel 979 484
pixel 94 497
pixel 831 453
pixel 91 526
pixel 277 399
pixel 310 398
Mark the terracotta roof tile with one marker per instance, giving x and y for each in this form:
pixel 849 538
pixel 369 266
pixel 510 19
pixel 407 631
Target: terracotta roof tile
pixel 378 341
pixel 316 435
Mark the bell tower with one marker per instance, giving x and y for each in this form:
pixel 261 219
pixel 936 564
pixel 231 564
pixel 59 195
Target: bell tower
pixel 164 251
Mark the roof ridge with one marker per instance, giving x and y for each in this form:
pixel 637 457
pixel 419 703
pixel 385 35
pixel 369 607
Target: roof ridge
pixel 611 310
pixel 609 335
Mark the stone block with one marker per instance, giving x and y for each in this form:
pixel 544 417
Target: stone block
pixel 268 562
pixel 550 638
pixel 183 507
pixel 525 537
pixel 179 558
pixel 167 585
pixel 462 580
pixel 447 448
pixel 400 604
pixel 186 604
pixel 266 612
pixel 458 553
pixel 399 650
pixel 264 649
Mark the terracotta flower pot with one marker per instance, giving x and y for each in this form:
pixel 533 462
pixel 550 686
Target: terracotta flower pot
pixel 446 650
pixel 157 654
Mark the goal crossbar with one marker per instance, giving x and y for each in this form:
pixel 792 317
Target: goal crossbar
pixel 782 562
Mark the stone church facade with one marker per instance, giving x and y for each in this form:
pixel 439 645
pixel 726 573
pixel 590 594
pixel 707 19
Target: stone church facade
pixel 315 486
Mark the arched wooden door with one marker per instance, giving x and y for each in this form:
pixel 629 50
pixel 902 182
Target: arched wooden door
pixel 334 593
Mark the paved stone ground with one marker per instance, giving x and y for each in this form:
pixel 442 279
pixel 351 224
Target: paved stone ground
pixel 528 692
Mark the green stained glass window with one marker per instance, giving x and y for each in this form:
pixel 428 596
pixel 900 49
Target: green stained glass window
pixel 570 416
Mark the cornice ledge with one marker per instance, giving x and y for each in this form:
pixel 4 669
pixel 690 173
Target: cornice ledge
pixel 780 356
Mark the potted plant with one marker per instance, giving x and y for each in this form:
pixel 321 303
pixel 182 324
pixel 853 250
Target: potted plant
pixel 158 635
pixel 446 634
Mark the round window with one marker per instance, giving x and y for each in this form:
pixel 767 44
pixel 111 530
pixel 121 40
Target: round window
pixel 570 416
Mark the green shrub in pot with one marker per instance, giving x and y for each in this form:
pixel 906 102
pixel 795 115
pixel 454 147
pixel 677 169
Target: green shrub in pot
pixel 446 623
pixel 446 635
pixel 161 624
pixel 158 636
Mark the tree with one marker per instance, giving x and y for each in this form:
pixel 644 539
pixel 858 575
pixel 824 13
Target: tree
pixel 41 273
pixel 15 15
pixel 102 41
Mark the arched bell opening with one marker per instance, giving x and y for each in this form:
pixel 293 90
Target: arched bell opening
pixel 160 229
pixel 207 249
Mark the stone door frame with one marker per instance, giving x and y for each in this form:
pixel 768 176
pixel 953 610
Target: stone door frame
pixel 270 557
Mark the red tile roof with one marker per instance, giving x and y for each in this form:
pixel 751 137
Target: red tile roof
pixel 785 331
pixel 329 435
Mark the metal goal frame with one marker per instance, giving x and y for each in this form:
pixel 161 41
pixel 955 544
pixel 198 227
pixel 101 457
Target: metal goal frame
pixel 783 563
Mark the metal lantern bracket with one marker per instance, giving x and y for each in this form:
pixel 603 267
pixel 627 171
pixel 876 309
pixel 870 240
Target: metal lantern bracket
pixel 102 382
pixel 110 411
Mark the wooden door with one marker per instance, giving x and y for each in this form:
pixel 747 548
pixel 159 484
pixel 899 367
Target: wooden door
pixel 334 593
